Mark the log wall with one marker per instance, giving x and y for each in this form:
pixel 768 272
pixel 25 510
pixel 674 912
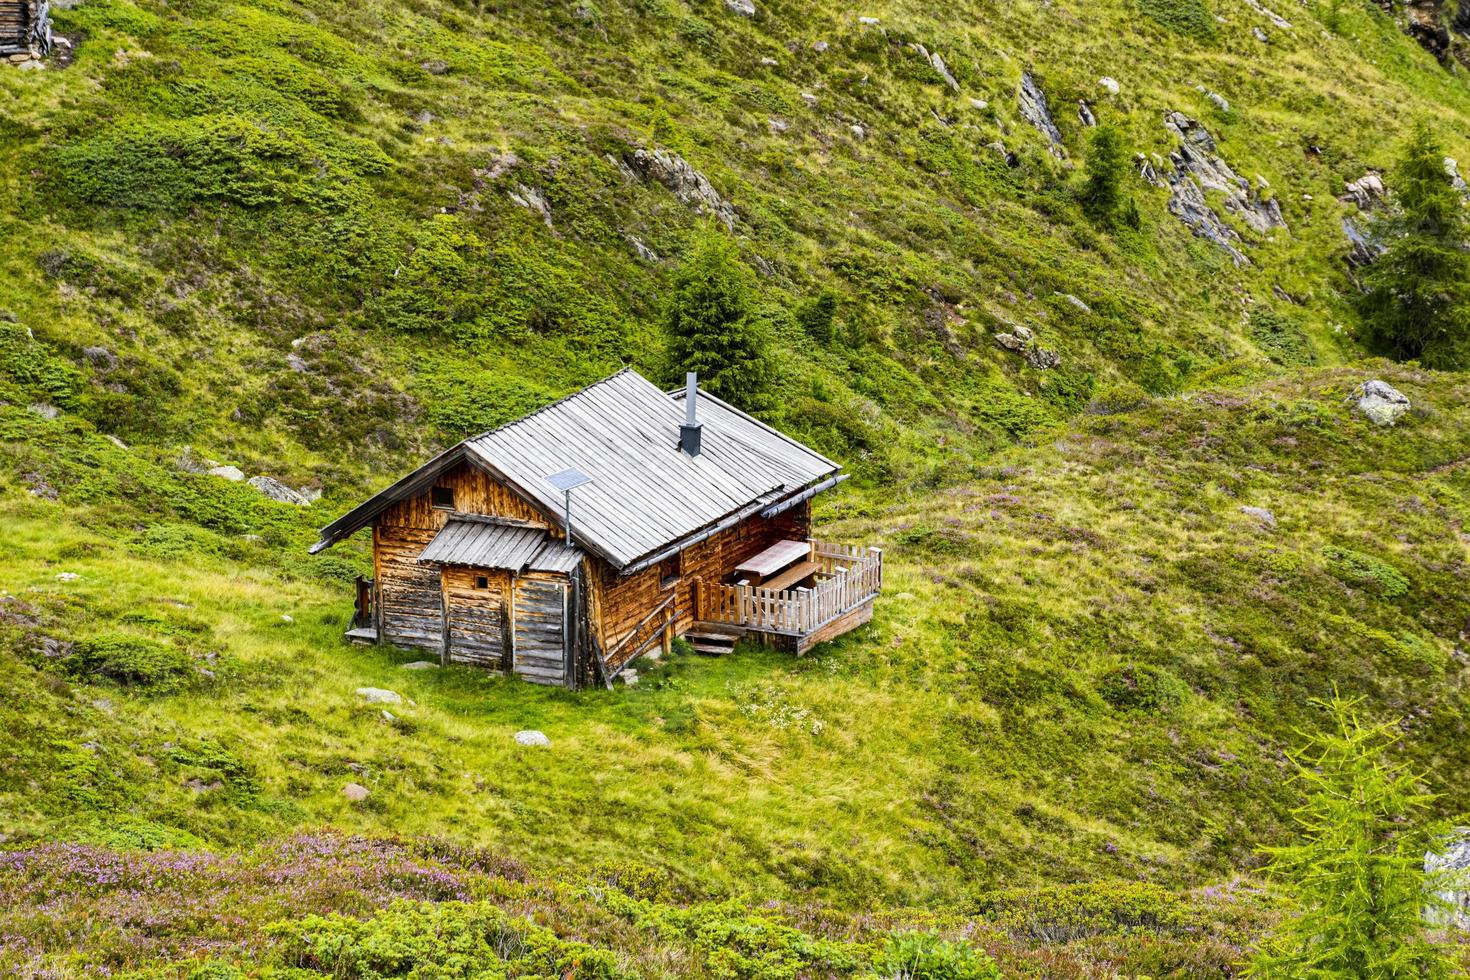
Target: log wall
pixel 623 601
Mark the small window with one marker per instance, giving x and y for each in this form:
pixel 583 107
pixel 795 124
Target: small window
pixel 669 571
pixel 482 582
pixel 442 498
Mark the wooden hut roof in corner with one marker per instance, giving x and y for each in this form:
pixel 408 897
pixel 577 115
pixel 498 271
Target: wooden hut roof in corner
pixel 646 496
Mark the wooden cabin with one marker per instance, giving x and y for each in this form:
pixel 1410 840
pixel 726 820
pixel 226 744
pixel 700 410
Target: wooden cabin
pixel 563 545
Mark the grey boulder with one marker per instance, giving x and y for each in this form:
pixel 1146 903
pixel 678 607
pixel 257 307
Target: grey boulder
pixel 1381 402
pixel 276 490
pixel 532 737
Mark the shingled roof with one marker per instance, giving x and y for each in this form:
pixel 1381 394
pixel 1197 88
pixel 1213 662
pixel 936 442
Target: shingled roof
pixel 645 495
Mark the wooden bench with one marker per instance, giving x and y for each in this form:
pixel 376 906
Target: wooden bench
pixel 792 575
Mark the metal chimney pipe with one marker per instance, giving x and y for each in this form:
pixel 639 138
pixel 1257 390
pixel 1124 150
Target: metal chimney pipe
pixel 689 432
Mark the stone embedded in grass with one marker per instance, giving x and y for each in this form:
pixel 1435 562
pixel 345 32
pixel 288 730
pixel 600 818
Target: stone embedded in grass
pixel 231 473
pixel 276 490
pixel 67 576
pixel 378 695
pixel 356 792
pixel 1261 514
pixel 1381 402
pixel 1109 84
pixel 532 737
pixel 629 676
pixel 420 665
pixel 745 8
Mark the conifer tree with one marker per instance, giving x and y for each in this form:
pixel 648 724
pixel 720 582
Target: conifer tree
pixel 1103 196
pixel 712 324
pixel 1416 299
pixel 1356 875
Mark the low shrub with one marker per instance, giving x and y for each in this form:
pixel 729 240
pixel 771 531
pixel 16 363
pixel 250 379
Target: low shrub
pixel 443 941
pixel 1140 687
pixel 132 661
pixel 1356 568
pixel 922 956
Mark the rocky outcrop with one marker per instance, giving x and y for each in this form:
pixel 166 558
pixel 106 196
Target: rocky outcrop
pixel 1448 871
pixel 1197 168
pixel 1366 193
pixel 937 63
pixel 1381 402
pixel 1022 341
pixel 276 490
pixel 1034 109
pixel 1269 14
pixel 690 186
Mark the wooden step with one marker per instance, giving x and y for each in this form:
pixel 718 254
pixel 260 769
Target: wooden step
pixel 714 639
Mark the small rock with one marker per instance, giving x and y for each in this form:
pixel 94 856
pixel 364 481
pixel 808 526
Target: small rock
pixel 820 46
pixel 532 200
pixel 629 676
pixel 67 576
pixel 45 410
pixel 980 104
pixel 276 490
pixel 435 67
pixel 389 717
pixel 1109 85
pixel 1261 35
pixel 115 440
pixel 420 665
pixel 1365 192
pixel 1261 514
pixel 770 62
pixel 231 473
pixel 1220 101
pixel 356 792
pixel 532 737
pixel 809 98
pixel 858 131
pixel 777 125
pixel 868 21
pixel 378 695
pixel 286 618
pixel 906 596
pixel 1042 359
pixel 1084 113
pixel 1076 302
pixel 1381 402
pixel 745 8
pixel 99 357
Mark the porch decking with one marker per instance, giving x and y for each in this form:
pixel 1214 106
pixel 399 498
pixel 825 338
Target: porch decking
pixel 846 580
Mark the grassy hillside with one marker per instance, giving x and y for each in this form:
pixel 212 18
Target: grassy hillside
pixel 319 241
pixel 295 226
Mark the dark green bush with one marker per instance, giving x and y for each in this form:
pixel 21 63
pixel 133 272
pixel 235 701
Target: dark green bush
pixel 1140 687
pixel 921 956
pixel 1191 18
pixel 131 660
pixel 453 940
pixel 1356 568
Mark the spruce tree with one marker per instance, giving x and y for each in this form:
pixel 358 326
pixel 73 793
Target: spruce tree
pixel 1416 299
pixel 1103 196
pixel 713 327
pixel 1356 876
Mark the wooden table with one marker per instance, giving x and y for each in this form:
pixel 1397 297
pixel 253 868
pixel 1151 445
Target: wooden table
pixel 776 558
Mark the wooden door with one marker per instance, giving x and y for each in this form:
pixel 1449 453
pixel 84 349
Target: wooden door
pixel 540 642
pixel 475 617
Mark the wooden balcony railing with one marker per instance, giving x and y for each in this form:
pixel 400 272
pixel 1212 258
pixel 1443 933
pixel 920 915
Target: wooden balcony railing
pixel 847 576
